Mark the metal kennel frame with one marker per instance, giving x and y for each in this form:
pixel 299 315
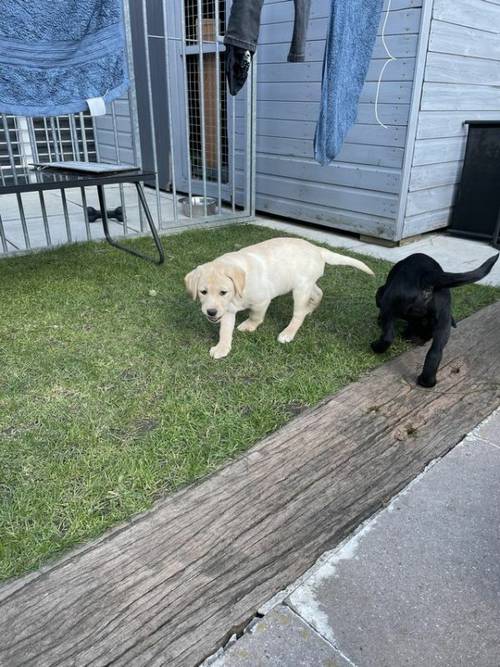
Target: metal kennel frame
pixel 176 63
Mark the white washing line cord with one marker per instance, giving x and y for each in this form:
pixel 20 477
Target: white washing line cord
pixel 391 59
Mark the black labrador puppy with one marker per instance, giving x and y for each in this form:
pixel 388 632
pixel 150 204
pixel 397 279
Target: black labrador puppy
pixel 418 290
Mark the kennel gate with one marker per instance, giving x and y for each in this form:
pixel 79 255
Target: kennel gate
pixel 176 120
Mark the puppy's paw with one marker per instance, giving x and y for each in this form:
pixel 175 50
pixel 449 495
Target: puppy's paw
pixel 247 325
pixel 379 346
pixel 219 351
pixel 286 336
pixel 427 382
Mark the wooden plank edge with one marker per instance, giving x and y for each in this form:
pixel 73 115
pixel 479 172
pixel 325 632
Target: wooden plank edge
pixel 488 392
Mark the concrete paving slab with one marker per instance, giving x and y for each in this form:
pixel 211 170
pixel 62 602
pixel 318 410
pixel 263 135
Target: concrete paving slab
pixel 454 254
pixel 58 234
pixel 14 233
pixel 113 197
pixel 9 209
pixel 281 639
pixel 420 584
pixel 334 238
pixel 490 429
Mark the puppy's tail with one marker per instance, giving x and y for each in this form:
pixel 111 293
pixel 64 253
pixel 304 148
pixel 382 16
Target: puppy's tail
pixel 335 259
pixel 457 279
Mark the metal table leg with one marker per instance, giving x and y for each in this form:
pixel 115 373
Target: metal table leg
pixel 149 218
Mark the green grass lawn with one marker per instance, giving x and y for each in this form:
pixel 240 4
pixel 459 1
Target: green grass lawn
pixel 108 396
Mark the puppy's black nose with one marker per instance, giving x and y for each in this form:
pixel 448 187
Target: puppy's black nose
pixel 211 312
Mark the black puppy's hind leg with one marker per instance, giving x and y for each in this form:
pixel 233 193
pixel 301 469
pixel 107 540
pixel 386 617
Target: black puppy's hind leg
pixel 388 333
pixel 440 337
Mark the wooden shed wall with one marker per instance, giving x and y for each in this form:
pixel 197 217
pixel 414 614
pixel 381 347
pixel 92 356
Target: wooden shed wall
pixel 461 82
pixel 124 139
pixel 360 191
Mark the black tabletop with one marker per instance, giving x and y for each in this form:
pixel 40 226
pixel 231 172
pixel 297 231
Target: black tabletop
pixel 36 180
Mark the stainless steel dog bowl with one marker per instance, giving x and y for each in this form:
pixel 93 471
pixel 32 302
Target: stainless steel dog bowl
pixel 197 209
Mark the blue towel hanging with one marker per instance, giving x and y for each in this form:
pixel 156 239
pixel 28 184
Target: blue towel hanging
pixel 349 45
pixel 56 55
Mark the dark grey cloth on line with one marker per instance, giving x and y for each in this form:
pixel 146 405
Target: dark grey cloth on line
pixel 244 25
pixel 297 51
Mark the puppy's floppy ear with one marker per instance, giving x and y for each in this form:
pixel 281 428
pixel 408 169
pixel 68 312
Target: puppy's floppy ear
pixel 238 278
pixel 191 281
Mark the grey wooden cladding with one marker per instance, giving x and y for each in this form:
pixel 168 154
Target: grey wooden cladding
pixel 462 82
pixel 383 156
pixel 329 216
pixel 105 123
pixel 457 39
pixel 432 199
pixel 398 70
pixel 401 46
pixel 445 68
pixel 438 124
pixel 350 190
pixel 122 108
pixel 435 175
pixel 105 135
pixel 390 114
pixel 277 12
pixel 432 151
pixel 170 587
pixel 330 195
pixel 373 135
pixel 401 4
pixel 395 92
pixel 455 97
pixel 356 200
pixel 339 173
pixel 395 4
pixel 399 22
pixel 429 221
pixel 107 153
pixel 107 138
pixel 480 14
pixel 288 98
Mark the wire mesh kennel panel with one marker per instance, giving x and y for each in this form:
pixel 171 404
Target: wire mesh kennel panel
pixel 176 120
pixel 39 220
pixel 205 113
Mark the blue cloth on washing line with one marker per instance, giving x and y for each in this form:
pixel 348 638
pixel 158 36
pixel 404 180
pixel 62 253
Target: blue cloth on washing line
pixel 54 55
pixel 349 46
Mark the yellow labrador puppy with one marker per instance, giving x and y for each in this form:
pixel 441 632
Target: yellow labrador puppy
pixel 252 277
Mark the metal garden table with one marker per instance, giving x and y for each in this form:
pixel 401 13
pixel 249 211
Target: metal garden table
pixel 39 180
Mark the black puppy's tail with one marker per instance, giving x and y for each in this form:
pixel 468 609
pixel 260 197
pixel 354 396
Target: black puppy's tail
pixel 456 279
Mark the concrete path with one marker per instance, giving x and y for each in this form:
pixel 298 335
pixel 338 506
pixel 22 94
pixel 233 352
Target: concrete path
pixel 417 585
pixel 454 254
pixel 55 214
